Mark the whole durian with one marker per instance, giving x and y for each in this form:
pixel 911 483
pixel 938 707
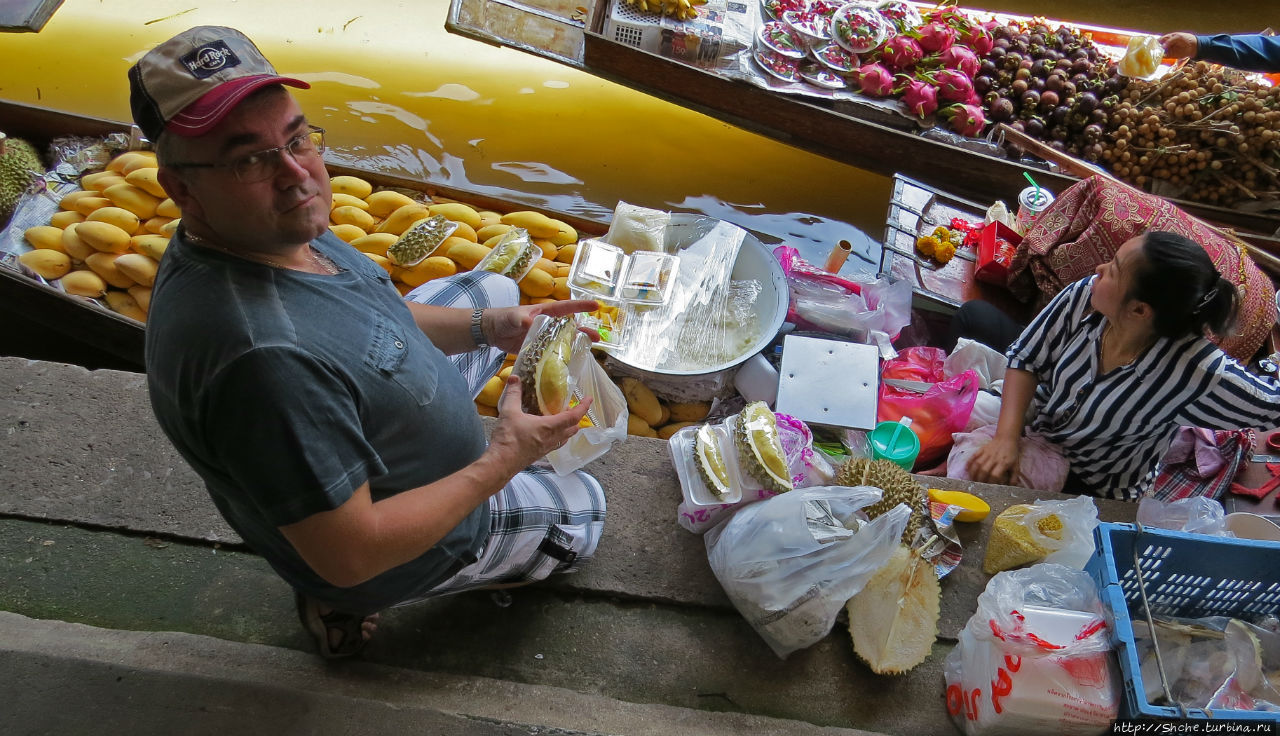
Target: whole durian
pixel 19 167
pixel 543 367
pixel 755 435
pixel 898 486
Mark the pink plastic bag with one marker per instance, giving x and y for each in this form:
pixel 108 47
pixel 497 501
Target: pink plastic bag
pixel 938 406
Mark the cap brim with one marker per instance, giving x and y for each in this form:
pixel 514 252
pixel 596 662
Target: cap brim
pixel 202 115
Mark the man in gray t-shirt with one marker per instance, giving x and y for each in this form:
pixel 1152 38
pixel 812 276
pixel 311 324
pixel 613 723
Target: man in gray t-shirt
pixel 329 423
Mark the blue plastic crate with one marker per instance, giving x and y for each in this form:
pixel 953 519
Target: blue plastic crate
pixel 1190 575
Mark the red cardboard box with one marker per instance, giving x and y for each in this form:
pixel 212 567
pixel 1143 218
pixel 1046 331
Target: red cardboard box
pixel 996 245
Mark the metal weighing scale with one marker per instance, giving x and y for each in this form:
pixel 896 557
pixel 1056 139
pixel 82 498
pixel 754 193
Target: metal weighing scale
pixel 829 382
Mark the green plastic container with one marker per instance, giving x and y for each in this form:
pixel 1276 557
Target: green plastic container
pixel 895 441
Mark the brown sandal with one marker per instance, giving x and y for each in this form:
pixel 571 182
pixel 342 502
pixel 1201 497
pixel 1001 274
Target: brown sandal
pixel 320 624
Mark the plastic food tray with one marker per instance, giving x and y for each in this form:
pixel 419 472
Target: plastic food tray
pixel 1188 575
pixel 604 272
pixel 695 491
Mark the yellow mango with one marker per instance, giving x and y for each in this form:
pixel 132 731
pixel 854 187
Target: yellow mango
pixel 464 252
pixel 69 202
pixel 348 215
pixel 383 203
pixel 100 180
pixel 562 269
pixel 566 252
pixel 545 265
pixel 353 185
pixel 73 246
pixel 123 303
pixel 491 392
pixel 133 199
pixel 486 411
pixel 347 232
pixel 152 246
pixel 489 217
pixel 104 264
pixel 156 224
pixel 170 227
pixel 506 371
pixel 168 208
pixel 45 237
pixel 489 231
pixel 666 430
pixel 566 234
pixel 433 267
pixel 549 249
pixel 47 263
pixel 457 212
pixel 346 200
pixel 465 231
pixel 638 427
pixel 537 283
pixel 121 218
pixel 138 268
pixel 103 236
pixel 141 295
pixel 141 229
pixel 132 159
pixel 86 205
pixel 62 218
pixel 386 265
pixel 400 220
pixel 560 288
pixel 376 243
pixel 145 179
pixel 83 283
pixel 538 224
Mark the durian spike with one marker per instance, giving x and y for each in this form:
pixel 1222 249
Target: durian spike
pixel 866 471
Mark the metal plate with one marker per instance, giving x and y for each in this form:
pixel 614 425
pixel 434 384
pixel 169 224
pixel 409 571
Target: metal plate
pixel 829 382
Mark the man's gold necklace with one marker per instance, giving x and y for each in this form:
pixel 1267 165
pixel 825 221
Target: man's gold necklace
pixel 319 260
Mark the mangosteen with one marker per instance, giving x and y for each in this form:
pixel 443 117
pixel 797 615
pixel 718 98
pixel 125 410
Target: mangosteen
pixel 1001 109
pixel 1048 99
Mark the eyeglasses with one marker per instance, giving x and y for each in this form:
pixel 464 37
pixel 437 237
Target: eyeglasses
pixel 262 165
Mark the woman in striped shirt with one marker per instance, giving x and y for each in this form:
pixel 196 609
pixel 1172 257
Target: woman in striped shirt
pixel 1118 361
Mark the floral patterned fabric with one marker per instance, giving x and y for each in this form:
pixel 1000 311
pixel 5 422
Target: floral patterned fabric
pixel 1088 223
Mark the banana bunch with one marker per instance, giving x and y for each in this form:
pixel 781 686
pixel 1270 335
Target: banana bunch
pixel 678 9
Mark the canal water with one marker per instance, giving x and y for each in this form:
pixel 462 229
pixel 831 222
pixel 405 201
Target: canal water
pixel 399 94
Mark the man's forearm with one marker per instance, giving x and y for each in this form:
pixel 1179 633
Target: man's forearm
pixel 448 327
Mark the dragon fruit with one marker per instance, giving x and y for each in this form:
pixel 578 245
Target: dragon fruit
pixel 953 85
pixel 967 120
pixel 935 37
pixel 951 16
pixel 902 52
pixel 979 39
pixel 961 59
pixel 921 98
pixel 875 80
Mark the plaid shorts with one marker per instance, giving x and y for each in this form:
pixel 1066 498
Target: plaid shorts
pixel 540 523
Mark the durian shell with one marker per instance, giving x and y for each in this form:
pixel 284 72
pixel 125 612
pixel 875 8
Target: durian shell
pixel 893 620
pixel 898 486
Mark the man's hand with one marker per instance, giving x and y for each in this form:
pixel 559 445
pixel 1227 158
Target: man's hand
pixel 506 327
pixel 522 438
pixel 996 461
pixel 1179 45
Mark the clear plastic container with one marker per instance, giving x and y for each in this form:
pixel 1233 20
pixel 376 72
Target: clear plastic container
pixel 597 268
pixel 648 277
pixel 695 491
pixel 514 256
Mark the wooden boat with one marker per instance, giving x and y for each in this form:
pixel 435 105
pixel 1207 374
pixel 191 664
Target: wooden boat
pixel 43 322
pixel 861 136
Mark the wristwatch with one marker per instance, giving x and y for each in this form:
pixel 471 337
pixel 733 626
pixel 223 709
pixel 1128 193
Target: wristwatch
pixel 477 331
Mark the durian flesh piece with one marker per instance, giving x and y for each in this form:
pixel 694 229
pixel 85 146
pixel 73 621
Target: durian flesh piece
pixel 710 461
pixel 898 487
pixel 893 620
pixel 512 254
pixel 755 434
pixel 543 368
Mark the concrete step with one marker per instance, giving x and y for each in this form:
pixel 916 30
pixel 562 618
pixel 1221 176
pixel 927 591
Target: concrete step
pixel 62 678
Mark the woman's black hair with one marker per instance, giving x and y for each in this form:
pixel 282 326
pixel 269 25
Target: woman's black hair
pixel 1176 277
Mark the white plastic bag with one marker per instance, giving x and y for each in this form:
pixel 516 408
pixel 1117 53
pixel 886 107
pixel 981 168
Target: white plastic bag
pixel 1034 658
pixel 988 363
pixel 1194 515
pixel 790 563
pixel 608 412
